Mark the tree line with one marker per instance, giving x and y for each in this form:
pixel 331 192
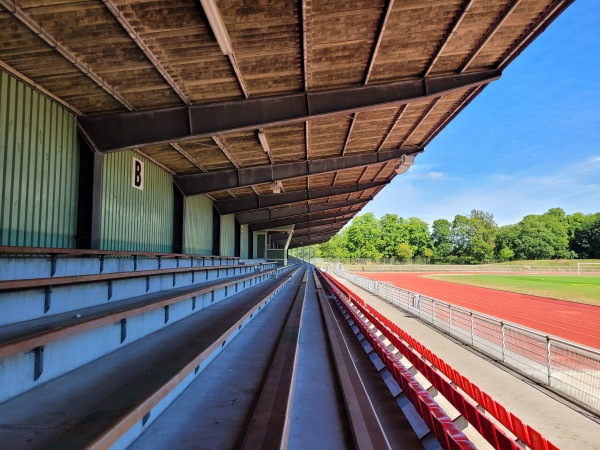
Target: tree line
pixel 470 239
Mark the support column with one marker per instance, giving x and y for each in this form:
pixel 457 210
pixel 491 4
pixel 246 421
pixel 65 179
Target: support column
pixel 89 202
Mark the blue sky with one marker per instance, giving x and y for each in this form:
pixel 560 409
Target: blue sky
pixel 529 142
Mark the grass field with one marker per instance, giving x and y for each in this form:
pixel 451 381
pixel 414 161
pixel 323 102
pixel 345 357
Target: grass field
pixel 581 289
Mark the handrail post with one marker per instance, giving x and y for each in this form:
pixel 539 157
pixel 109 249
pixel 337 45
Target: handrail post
pixel 503 340
pixel 472 329
pixel 549 363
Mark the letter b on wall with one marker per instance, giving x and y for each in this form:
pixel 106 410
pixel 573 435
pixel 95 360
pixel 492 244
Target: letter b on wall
pixel 137 174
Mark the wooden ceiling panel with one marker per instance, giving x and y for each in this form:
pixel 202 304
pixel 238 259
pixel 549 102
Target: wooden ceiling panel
pixel 170 158
pixel 221 195
pixel 296 184
pixel 516 24
pixel 341 43
pixel 348 176
pixel 386 171
pixel 178 34
pixel 245 149
pixel 321 181
pixel 208 154
pixel 480 17
pixel 327 136
pixel 93 35
pixel 266 40
pixel 369 130
pixel 435 116
pixel 411 37
pixel 287 143
pixel 370 173
pixel 410 116
pixel 242 192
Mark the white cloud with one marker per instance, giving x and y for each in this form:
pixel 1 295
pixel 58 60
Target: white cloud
pixel 596 159
pixel 435 175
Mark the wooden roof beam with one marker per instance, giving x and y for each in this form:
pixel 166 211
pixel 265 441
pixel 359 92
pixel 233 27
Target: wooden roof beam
pixel 117 131
pixel 265 201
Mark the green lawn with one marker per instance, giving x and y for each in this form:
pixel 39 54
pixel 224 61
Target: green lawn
pixel 581 289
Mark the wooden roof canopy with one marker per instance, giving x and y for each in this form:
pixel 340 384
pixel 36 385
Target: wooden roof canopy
pixel 283 112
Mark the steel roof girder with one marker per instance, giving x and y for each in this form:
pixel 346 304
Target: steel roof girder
pixel 123 130
pixel 201 183
pixel 236 205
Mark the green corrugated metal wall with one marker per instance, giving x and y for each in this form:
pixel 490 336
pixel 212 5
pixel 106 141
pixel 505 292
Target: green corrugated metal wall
pixel 198 225
pixel 39 163
pixel 244 230
pixel 228 235
pixel 131 219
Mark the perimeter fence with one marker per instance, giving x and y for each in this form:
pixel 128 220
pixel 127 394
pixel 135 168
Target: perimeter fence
pixel 565 367
pixel 366 265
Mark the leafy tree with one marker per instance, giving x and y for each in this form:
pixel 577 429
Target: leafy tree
pixel 404 251
pixel 364 234
pixel 459 235
pixel 543 236
pixel 506 239
pixel 586 240
pixel 393 233
pixel 441 239
pixel 505 254
pixel 336 247
pixel 482 233
pixel 419 238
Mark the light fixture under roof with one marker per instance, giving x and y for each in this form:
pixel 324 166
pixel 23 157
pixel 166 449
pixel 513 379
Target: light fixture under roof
pixel 218 26
pixel 262 137
pixel 404 163
pixel 277 187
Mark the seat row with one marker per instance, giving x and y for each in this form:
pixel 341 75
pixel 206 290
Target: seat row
pixel 51 326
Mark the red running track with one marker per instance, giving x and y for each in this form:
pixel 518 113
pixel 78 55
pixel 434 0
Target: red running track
pixel 573 321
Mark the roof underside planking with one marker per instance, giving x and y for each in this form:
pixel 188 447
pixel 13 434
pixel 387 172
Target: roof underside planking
pixel 317 102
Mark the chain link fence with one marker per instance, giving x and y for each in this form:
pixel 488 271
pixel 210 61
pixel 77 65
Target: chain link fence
pixel 567 368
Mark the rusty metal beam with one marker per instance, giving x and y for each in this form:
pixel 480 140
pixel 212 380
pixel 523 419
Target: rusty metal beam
pixel 265 201
pixel 260 215
pixel 332 215
pixel 200 183
pixel 116 131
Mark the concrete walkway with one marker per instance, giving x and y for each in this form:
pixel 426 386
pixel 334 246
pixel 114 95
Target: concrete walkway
pixel 563 426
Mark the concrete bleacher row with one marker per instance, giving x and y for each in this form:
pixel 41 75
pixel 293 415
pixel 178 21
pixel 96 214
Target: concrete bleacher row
pixel 149 318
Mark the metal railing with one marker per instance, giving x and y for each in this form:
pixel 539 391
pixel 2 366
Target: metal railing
pixel 565 367
pixel 357 266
